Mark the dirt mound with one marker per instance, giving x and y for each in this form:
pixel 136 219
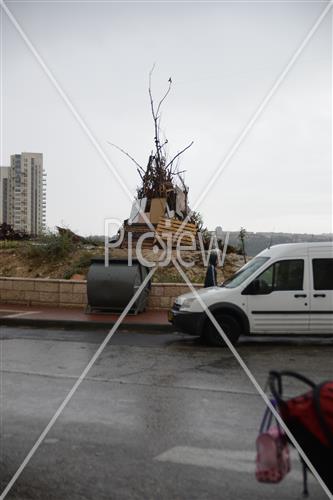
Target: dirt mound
pixel 30 260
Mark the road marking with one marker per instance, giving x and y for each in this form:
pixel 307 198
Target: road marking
pixel 124 382
pixel 5 312
pixel 21 313
pixel 51 441
pixel 236 460
pixel 231 460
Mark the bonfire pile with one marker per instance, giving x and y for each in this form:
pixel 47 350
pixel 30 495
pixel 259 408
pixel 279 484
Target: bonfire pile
pixel 162 197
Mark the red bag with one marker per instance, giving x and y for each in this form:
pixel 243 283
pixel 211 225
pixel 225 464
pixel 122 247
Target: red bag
pixel 272 462
pixel 309 418
pixel 316 415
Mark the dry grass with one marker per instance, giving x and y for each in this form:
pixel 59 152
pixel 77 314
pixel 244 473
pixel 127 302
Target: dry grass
pixel 28 260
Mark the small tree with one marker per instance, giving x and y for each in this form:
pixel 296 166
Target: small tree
pixel 7 232
pixel 242 237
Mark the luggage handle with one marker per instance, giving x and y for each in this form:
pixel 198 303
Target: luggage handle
pixel 276 378
pixel 268 419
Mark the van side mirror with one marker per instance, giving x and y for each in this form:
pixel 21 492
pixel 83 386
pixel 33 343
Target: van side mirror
pixel 257 287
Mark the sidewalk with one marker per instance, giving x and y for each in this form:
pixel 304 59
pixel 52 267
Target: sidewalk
pixel 18 315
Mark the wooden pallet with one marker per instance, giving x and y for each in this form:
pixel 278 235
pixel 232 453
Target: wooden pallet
pixel 137 230
pixel 167 228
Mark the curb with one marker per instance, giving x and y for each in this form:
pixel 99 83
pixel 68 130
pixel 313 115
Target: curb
pixel 84 325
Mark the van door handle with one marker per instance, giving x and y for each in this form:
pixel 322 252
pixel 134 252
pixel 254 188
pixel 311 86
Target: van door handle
pixel 299 295
pixel 319 295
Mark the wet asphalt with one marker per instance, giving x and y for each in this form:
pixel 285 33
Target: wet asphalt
pixel 159 415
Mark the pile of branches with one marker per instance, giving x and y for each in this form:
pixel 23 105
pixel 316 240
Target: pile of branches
pixel 160 175
pixel 73 237
pixel 7 232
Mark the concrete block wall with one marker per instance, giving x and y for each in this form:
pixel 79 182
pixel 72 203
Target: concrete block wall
pixel 72 293
pixel 163 295
pixel 46 292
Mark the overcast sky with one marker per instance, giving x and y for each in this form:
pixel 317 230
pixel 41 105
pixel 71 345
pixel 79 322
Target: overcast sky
pixel 223 59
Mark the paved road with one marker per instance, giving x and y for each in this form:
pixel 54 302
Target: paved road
pixel 158 417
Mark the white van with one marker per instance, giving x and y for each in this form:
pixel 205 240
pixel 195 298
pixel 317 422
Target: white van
pixel 286 289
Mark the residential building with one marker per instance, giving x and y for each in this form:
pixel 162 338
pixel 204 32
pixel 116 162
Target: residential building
pixel 4 192
pixel 27 198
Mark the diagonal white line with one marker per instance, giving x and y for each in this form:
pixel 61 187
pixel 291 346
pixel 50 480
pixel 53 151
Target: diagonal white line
pixel 231 153
pixel 77 116
pixel 252 379
pixel 247 129
pixel 223 165
pixel 75 386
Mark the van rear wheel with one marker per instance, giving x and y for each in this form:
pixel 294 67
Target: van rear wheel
pixel 230 327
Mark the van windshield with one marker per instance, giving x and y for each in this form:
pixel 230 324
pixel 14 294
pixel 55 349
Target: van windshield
pixel 244 272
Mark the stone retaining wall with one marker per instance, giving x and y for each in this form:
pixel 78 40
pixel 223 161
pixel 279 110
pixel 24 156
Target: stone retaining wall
pixel 163 295
pixel 72 293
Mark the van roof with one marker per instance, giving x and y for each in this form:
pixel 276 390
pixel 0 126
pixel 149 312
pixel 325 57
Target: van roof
pixel 286 249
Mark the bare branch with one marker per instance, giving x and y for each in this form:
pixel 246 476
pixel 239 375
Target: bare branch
pixel 164 143
pixel 175 170
pixel 150 92
pixel 150 73
pixel 164 97
pixel 161 132
pixel 181 179
pixel 183 183
pixel 128 155
pixel 178 154
pixel 177 164
pixel 155 117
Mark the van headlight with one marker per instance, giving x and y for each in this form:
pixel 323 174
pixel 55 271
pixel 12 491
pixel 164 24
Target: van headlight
pixel 187 303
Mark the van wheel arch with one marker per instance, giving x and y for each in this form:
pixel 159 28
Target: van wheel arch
pixel 229 311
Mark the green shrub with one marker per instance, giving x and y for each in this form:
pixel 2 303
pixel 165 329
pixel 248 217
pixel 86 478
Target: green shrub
pixel 9 244
pixel 97 241
pixel 52 247
pixel 78 267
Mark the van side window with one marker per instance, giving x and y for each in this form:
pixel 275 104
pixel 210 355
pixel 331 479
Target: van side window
pixel 322 274
pixel 284 275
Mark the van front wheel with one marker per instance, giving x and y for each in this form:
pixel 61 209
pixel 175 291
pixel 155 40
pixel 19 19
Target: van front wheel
pixel 230 327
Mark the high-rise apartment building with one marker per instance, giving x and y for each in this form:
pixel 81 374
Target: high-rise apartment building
pixel 26 193
pixel 4 192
